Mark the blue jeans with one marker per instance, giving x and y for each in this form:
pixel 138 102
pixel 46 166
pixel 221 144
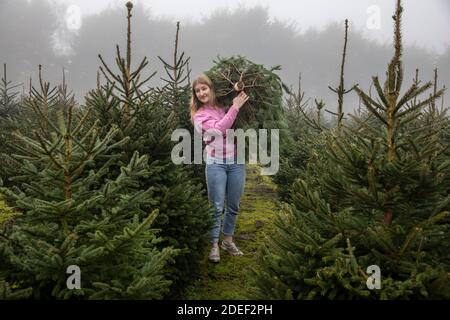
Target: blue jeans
pixel 225 183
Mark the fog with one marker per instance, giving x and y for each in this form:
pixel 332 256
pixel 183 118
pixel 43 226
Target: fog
pixel 33 33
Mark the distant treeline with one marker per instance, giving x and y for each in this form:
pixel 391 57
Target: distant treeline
pixel 27 34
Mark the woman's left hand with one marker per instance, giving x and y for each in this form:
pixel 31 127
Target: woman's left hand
pixel 240 100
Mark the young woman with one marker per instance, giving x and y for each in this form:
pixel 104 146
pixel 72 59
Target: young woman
pixel 225 178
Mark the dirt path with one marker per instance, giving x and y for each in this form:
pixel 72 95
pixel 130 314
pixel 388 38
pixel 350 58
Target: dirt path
pixel 231 279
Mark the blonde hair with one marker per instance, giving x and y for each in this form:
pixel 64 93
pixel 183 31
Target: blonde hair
pixel 197 104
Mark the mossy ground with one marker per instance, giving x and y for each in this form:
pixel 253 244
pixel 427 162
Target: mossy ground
pixel 231 278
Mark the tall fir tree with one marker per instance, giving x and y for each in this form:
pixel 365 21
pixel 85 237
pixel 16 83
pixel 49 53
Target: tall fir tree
pixel 377 196
pixel 340 90
pixel 148 118
pixel 306 126
pixel 175 95
pixel 176 91
pixel 8 96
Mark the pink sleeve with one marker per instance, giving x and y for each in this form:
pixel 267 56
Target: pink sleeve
pixel 207 122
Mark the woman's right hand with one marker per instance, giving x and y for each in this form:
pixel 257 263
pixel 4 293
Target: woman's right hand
pixel 240 100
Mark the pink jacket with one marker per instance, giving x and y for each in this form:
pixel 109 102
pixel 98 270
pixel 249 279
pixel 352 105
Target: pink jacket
pixel 214 121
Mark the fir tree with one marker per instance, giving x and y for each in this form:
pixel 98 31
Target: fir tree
pixel 9 108
pixel 8 291
pixel 341 91
pixel 147 117
pixel 26 119
pixel 304 127
pixel 378 195
pixel 73 216
pixel 175 95
pixel 8 96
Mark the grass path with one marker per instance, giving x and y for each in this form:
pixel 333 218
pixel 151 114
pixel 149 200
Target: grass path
pixel 230 279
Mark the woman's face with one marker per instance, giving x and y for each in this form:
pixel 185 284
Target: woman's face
pixel 203 93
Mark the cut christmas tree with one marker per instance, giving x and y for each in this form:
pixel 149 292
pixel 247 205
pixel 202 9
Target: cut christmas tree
pixel 262 85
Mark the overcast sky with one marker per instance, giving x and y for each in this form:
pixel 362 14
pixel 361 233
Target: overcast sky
pixel 30 36
pixel 428 21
